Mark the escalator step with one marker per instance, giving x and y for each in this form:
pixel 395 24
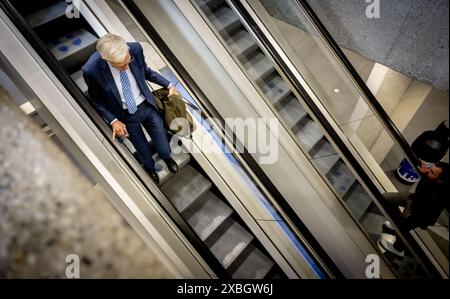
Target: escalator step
pixel 79 81
pixel 209 216
pixel 372 220
pixel 292 112
pixel 74 48
pixel 255 266
pixel 341 177
pixel 225 20
pixel 242 43
pixel 323 148
pixel 47 14
pixel 259 67
pixel 275 89
pixel 209 4
pixel 185 187
pixel 182 159
pixel 326 163
pixel 358 200
pixel 309 135
pixel 231 244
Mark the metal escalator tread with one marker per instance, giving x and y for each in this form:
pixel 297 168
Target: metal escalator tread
pixel 275 89
pixel 185 187
pixel 228 247
pixel 209 216
pixel 47 14
pixel 79 81
pixel 182 159
pixel 341 177
pixel 358 200
pixel 225 20
pixel 309 135
pixel 73 48
pixel 241 43
pixel 372 220
pixel 292 112
pixel 209 3
pixel 326 163
pixel 322 149
pixel 259 67
pixel 255 266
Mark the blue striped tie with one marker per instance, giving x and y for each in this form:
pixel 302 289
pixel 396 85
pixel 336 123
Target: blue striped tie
pixel 126 86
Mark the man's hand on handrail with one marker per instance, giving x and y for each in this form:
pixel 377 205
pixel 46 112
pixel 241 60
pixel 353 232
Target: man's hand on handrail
pixel 119 129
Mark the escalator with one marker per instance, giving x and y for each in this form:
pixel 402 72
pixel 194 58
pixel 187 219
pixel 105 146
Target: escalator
pixel 290 110
pixel 248 42
pixel 221 236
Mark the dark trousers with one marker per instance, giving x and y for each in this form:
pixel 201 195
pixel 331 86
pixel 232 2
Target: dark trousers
pixel 401 199
pixel 148 116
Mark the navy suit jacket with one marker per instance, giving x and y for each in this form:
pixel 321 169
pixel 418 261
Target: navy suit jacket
pixel 102 89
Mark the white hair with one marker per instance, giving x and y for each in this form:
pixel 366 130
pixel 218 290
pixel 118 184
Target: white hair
pixel 112 48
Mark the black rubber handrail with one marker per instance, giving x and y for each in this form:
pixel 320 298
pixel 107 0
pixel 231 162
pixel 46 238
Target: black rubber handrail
pixel 64 77
pixel 391 213
pixel 386 119
pixel 246 156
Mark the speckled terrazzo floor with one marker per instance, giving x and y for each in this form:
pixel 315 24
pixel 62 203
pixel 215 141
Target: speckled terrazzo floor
pixel 48 210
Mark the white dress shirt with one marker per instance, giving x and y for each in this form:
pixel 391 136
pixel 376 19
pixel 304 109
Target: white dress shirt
pixel 137 94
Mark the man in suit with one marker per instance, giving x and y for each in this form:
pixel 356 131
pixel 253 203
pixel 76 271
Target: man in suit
pixel 115 76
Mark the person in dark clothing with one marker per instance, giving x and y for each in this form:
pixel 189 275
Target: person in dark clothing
pixel 421 208
pixel 430 147
pixel 116 76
